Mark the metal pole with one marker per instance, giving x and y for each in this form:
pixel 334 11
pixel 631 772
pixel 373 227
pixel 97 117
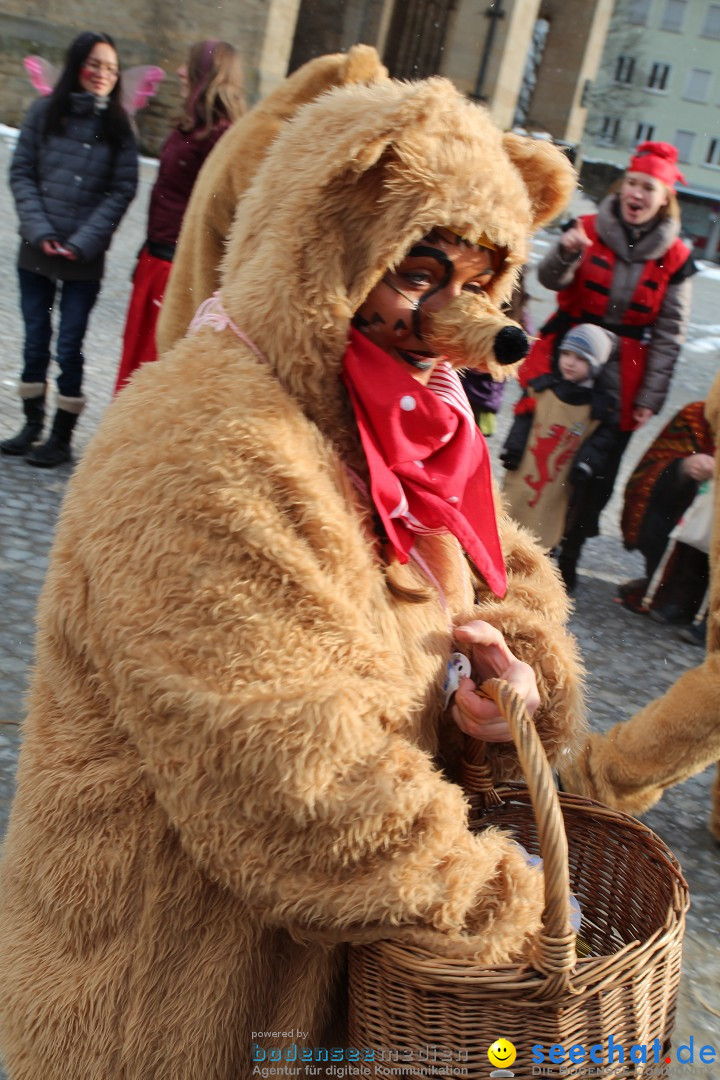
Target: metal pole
pixel 493 13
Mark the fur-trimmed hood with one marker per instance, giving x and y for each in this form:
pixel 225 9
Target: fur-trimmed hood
pixel 316 232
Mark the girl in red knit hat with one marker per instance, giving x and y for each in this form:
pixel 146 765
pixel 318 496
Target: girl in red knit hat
pixel 626 269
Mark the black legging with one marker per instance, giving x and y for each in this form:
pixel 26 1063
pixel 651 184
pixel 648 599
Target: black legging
pixel 591 496
pixel 671 495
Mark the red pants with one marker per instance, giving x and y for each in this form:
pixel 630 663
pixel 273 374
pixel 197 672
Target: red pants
pixel 149 283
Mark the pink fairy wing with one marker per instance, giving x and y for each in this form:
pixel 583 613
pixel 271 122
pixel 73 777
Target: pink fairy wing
pixel 139 84
pixel 43 74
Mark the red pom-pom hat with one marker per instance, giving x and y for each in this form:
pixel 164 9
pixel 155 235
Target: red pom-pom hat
pixel 658 159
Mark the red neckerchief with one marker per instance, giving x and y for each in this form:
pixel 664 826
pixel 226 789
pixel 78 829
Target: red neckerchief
pixel 429 465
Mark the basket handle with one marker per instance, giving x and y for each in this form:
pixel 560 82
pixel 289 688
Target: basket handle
pixel 555 956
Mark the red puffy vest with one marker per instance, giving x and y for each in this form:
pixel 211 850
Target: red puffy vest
pixel 586 300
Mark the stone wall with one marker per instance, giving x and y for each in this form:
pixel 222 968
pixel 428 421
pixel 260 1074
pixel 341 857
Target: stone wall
pixel 145 31
pixel 570 59
pixel 326 26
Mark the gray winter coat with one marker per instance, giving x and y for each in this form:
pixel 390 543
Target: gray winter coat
pixel 668 331
pixel 71 187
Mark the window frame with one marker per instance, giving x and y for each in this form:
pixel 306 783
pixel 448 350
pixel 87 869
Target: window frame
pixel 670 5
pixel 624 66
pixel 644 136
pixel 706 32
pixel 605 137
pixel 664 79
pixel 686 92
pixel 644 15
pixel 713 151
pixel 677 141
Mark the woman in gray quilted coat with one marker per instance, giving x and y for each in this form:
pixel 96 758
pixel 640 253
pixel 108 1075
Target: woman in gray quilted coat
pixel 73 175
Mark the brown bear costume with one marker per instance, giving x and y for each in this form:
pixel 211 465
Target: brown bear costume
pixel 230 763
pixel 678 734
pixel 225 177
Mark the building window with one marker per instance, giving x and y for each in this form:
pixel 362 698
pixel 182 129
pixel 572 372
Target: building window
pixel 644 133
pixel 712 22
pixel 658 77
pixel 638 11
pixel 624 69
pixel 609 130
pixel 684 142
pixel 713 155
pixel 674 15
pixel 697 87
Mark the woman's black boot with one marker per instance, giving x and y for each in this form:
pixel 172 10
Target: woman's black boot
pixel 33 402
pixel 56 451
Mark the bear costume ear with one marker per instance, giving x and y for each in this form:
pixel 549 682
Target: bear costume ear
pixel 362 65
pixel 547 173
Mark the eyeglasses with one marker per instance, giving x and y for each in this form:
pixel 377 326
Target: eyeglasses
pixel 98 65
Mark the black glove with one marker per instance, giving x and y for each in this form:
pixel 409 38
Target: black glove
pixel 510 458
pixel 580 474
pixel 514 448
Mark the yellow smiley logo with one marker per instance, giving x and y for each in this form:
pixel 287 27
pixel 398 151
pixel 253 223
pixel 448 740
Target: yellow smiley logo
pixel 502 1053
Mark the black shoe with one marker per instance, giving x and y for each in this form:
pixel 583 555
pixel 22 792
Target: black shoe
pixel 695 634
pixel 49 454
pixel 18 445
pixel 670 614
pixel 631 589
pixel 56 451
pixel 568 571
pixel 25 439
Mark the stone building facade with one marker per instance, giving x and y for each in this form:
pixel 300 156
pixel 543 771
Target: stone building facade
pixel 483 47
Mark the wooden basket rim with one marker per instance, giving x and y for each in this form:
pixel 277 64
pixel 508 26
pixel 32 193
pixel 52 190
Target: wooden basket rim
pixel 591 975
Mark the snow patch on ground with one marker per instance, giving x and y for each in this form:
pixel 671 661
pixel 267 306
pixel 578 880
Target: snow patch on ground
pixel 708 269
pixel 702 345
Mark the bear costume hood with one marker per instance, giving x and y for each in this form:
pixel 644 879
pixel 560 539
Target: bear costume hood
pixel 229 171
pixel 317 231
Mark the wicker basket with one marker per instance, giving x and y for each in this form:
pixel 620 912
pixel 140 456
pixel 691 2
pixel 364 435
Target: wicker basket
pixel 425 1015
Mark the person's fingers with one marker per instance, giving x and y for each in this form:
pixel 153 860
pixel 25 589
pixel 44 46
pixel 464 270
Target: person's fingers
pixel 485 732
pixel 490 655
pixel 492 658
pixel 479 717
pixel 576 239
pixel 583 234
pixel 522 678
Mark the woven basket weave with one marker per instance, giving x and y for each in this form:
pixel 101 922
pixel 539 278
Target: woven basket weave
pixel 427 1015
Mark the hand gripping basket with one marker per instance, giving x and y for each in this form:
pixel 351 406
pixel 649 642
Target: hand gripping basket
pixel 426 1015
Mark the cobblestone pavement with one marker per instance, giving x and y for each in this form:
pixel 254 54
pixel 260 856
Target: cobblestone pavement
pixel 630 660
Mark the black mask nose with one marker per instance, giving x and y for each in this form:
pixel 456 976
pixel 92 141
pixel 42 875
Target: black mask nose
pixel 511 345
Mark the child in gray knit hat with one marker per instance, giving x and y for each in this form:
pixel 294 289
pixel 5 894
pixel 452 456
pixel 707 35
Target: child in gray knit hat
pixel 550 451
pixel 583 353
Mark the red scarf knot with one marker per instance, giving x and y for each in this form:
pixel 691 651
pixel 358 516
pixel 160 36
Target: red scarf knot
pixel 428 462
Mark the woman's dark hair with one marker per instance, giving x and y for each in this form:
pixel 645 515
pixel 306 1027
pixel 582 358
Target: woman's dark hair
pixel 114 121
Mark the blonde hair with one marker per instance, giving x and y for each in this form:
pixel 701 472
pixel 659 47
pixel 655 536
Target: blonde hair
pixel 215 87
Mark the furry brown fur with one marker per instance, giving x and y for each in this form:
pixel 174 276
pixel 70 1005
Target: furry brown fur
pixel 229 766
pixel 226 176
pixel 675 736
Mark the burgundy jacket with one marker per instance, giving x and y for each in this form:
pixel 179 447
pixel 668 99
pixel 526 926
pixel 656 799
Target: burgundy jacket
pixel 180 161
